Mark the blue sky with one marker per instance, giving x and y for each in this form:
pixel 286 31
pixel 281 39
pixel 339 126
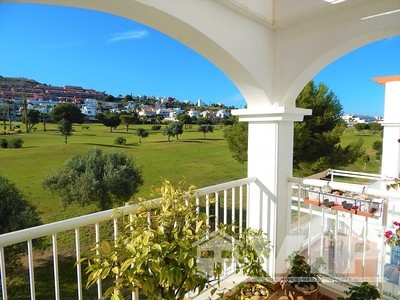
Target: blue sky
pixel 68 46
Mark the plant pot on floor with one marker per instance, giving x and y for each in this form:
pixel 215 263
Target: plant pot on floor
pixel 295 290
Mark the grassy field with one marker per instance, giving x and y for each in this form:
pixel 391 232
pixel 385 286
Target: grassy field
pixel 201 162
pixel 374 165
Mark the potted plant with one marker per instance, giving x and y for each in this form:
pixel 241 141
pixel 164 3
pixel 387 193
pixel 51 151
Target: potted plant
pixel 393 237
pixel 302 280
pixel 156 253
pixel 364 291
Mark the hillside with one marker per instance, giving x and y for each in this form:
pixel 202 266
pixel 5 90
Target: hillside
pixel 16 88
pixel 17 82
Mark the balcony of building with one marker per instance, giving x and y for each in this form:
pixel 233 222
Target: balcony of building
pixel 350 240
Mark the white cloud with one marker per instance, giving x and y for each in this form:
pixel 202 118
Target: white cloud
pixel 128 35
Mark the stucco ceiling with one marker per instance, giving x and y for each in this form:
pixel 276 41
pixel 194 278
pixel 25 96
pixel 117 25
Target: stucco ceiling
pixel 285 12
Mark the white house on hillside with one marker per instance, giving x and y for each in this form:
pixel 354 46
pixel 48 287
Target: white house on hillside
pixel 223 113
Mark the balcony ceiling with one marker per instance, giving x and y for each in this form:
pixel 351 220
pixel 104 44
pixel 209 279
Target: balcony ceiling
pixel 282 13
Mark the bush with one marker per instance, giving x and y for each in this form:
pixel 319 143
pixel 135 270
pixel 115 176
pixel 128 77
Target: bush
pixel 15 143
pixel 3 143
pixel 156 127
pixel 120 141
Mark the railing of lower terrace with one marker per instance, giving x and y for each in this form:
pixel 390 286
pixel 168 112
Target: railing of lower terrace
pixel 223 203
pixel 350 240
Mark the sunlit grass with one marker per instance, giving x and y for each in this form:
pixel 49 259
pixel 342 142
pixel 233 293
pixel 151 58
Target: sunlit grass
pixel 201 162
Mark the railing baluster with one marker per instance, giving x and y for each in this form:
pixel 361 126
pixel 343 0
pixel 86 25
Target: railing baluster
pixel 31 270
pixel 115 225
pixel 78 266
pixel 247 205
pixel 208 209
pixel 216 210
pixel 240 209
pixel 233 217
pixel 97 230
pixel 198 204
pixel 55 267
pixel 3 274
pixel 225 206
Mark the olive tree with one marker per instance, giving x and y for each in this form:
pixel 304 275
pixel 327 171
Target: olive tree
pixel 173 129
pixel 65 128
pixel 205 128
pixel 103 179
pixel 141 133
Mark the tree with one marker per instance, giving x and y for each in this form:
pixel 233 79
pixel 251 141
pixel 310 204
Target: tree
pixel 111 120
pixel 204 121
pixel 103 179
pixel 128 98
pixel 173 129
pixel 376 127
pixel 25 109
pixel 377 146
pixel 317 139
pixel 67 111
pixel 3 111
pixel 361 126
pixel 109 98
pixel 127 120
pixel 236 136
pixel 9 103
pixel 65 128
pixel 32 117
pixel 142 133
pixel 16 212
pixel 185 119
pixel 205 129
pixel 44 117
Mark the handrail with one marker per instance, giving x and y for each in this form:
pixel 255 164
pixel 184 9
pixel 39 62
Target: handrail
pixel 343 173
pixel 356 188
pixel 69 224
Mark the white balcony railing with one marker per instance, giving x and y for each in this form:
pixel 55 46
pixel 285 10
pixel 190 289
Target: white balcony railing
pixel 228 207
pixel 351 244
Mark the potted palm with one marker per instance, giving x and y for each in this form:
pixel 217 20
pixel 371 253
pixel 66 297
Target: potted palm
pixel 155 250
pixel 302 281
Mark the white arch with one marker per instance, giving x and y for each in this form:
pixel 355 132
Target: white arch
pixel 268 51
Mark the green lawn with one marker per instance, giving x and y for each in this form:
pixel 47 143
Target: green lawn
pixel 374 165
pixel 201 162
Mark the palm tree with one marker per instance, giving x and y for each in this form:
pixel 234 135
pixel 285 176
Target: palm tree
pixel 3 110
pixel 9 102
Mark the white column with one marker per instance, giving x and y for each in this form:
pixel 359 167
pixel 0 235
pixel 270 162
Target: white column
pixel 270 157
pixel 391 131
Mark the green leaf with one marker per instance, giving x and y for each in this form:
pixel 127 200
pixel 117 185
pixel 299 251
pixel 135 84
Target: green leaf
pixel 191 263
pixel 157 247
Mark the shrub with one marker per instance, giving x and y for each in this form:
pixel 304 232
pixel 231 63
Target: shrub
pixel 15 143
pixel 156 127
pixel 120 141
pixel 3 143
